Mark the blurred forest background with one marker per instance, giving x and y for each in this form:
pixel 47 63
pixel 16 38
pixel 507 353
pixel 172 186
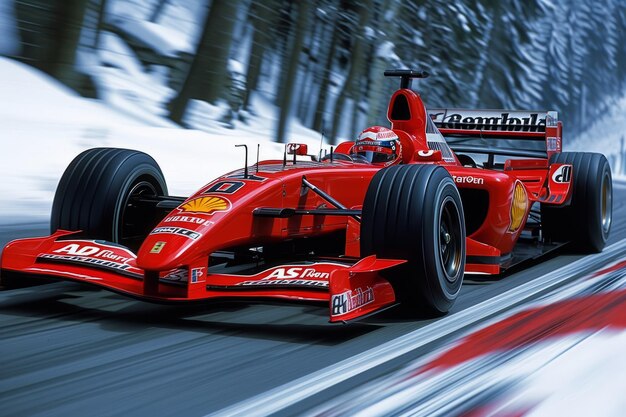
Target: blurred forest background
pixel 320 63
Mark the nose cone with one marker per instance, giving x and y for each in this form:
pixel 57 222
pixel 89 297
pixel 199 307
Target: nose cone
pixel 165 247
pixel 176 237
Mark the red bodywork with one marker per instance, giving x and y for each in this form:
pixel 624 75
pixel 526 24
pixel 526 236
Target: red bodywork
pixel 174 261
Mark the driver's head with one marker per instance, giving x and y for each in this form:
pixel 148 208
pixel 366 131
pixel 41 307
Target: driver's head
pixel 378 145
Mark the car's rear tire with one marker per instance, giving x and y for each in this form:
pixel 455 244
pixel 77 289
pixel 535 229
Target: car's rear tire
pixel 414 212
pixel 586 222
pixel 96 195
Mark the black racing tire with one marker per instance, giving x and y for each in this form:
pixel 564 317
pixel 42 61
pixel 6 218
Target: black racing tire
pixel 414 212
pixel 586 222
pixel 96 194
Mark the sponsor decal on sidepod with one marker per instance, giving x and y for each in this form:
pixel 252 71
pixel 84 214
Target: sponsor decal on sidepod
pixel 468 180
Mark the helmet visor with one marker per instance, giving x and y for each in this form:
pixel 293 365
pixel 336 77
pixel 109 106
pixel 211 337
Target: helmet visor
pixel 376 157
pixel 375 154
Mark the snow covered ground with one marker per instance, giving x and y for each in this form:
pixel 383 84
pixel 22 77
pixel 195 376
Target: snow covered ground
pixel 608 136
pixel 45 125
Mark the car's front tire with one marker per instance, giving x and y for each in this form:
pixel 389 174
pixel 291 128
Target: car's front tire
pixel 414 212
pixel 97 195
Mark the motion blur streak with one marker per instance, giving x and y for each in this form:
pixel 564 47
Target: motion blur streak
pixel 503 369
pixel 401 389
pixel 590 310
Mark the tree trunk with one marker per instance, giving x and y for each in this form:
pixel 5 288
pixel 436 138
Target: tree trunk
pixel 50 34
pixel 208 70
pixel 356 69
pixel 100 23
pixel 158 9
pixel 221 23
pixel 492 72
pixel 61 57
pixel 286 37
pixel 312 53
pixel 262 15
pixel 320 110
pixel 482 64
pixel 71 14
pixel 292 71
pixel 376 96
pixel 358 106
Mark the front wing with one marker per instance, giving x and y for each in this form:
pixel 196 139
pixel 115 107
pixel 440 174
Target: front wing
pixel 352 289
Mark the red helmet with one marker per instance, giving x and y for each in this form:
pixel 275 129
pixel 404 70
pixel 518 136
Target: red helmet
pixel 378 145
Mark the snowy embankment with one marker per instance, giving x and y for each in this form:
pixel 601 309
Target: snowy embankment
pixel 45 125
pixel 606 135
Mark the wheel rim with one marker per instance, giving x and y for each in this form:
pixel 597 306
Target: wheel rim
pixel 450 243
pixel 606 205
pixel 132 228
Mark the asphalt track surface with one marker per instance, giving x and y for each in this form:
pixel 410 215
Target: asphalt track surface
pixel 69 350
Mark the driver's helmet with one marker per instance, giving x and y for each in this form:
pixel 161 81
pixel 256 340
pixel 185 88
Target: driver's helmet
pixel 378 145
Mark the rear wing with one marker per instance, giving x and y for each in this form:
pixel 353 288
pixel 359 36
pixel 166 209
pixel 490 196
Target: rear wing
pixel 540 130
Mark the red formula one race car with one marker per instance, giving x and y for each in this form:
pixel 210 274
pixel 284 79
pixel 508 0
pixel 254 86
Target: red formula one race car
pixel 399 215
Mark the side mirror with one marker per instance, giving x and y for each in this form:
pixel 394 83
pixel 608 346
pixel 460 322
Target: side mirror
pixel 297 149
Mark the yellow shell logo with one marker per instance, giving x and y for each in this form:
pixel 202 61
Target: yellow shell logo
pixel 518 207
pixel 208 205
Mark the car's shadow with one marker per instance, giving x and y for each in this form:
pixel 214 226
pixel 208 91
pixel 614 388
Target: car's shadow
pixel 526 265
pixel 66 302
